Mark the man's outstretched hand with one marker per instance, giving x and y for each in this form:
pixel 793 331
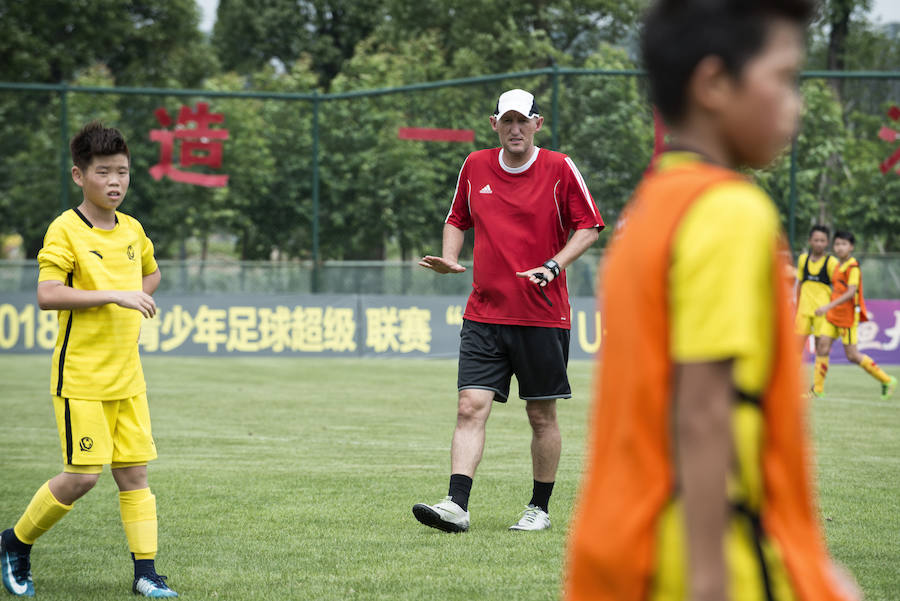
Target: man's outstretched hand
pixel 532 274
pixel 441 265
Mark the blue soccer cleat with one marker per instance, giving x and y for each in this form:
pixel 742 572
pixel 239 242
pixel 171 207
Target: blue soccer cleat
pixel 152 585
pixel 16 569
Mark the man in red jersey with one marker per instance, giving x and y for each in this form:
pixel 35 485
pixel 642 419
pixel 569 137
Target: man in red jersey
pixel 523 202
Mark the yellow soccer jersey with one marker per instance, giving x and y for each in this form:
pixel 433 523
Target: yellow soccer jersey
pixel 853 278
pixel 721 281
pixel 722 306
pixel 96 355
pixel 814 294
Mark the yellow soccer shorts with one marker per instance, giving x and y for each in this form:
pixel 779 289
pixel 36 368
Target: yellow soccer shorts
pixel 805 325
pixel 847 335
pixel 96 433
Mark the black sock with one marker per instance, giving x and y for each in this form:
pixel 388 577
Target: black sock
pixel 460 487
pixel 143 567
pixel 12 542
pixel 541 495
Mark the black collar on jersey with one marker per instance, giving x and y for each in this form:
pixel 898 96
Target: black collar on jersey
pixel 683 148
pixel 85 219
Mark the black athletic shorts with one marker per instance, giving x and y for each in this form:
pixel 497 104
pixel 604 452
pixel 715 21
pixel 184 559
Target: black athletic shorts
pixel 490 353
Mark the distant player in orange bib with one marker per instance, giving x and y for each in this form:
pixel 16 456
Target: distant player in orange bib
pixel 698 484
pixel 843 314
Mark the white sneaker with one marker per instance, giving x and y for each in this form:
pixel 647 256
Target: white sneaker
pixel 533 518
pixel 446 515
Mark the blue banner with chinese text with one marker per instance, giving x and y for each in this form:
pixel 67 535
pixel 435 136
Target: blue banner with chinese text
pixel 265 324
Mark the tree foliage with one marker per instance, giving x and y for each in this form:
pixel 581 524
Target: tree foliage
pixel 81 42
pixel 381 196
pixel 142 42
pixel 250 34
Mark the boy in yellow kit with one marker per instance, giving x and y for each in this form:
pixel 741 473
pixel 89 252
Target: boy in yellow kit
pixel 842 315
pixel 98 271
pixel 813 287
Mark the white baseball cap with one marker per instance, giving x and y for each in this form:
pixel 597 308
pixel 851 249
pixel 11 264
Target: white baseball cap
pixel 517 100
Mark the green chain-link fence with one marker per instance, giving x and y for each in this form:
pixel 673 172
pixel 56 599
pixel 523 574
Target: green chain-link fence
pixel 322 181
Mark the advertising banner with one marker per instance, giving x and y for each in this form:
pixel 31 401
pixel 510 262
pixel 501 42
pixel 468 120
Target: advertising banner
pixel 297 325
pixel 346 325
pixel 878 338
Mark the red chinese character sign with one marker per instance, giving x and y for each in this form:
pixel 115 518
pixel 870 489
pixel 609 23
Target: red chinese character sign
pixel 889 135
pixel 197 145
pixel 431 134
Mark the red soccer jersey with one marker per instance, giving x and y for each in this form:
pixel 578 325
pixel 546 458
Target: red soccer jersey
pixel 522 217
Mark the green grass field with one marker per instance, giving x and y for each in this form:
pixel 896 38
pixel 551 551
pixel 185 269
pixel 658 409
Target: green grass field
pixel 294 478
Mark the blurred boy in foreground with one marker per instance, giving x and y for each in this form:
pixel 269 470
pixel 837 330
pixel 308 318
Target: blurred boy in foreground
pixel 698 485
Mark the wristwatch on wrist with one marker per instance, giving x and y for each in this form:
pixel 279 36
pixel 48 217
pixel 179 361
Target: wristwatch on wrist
pixel 553 266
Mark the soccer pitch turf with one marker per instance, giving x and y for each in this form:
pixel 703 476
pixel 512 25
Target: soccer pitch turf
pixel 294 479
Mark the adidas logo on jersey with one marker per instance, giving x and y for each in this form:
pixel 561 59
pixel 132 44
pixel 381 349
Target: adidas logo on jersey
pixel 486 190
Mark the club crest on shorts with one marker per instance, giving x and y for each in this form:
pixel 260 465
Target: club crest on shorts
pixel 130 252
pixel 86 443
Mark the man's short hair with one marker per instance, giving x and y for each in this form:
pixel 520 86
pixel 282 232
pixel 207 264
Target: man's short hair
pixel 819 228
pixel 845 235
pixel 678 34
pixel 96 140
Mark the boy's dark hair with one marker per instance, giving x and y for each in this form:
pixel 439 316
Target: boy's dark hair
pixel 678 34
pixel 96 140
pixel 819 228
pixel 845 235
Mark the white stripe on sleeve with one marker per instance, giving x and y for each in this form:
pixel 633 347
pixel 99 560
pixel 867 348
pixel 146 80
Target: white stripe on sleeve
pixel 456 191
pixel 584 191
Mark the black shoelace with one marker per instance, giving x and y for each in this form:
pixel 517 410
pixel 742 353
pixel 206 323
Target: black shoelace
pixel 157 579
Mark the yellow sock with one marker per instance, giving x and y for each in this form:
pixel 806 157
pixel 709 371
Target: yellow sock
pixel 819 372
pixel 138 509
pixel 43 511
pixel 873 370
